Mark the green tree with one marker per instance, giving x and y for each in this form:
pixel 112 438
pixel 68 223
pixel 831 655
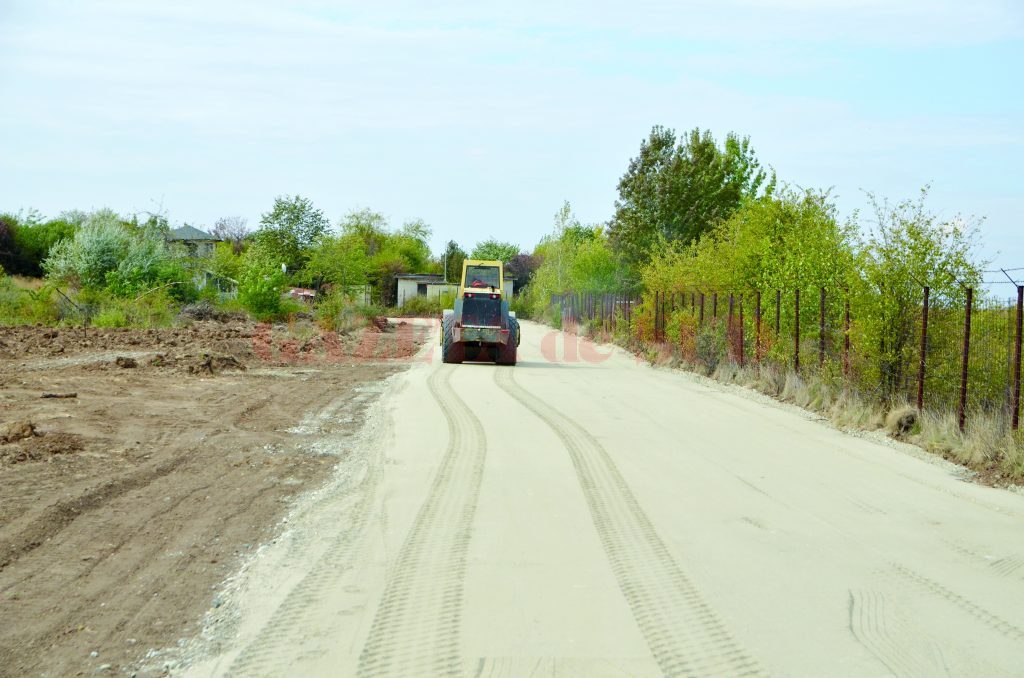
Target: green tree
pixel 576 258
pixel 291 228
pixel 495 249
pixel 98 247
pixel 339 260
pixel 909 248
pixel 121 256
pixel 390 252
pixel 8 248
pixel 225 262
pixel 371 227
pixel 676 191
pixel 33 243
pixel 261 286
pixel 452 259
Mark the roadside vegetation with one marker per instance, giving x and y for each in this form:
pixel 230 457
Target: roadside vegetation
pixel 695 219
pixel 109 270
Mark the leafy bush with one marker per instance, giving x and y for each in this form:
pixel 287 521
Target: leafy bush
pixel 260 290
pixel 33 242
pixel 428 305
pixel 107 254
pixel 110 316
pixel 25 307
pixel 97 249
pixel 156 309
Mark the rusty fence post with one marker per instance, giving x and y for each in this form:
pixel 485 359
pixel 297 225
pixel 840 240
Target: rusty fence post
pixel 700 322
pixel 962 411
pixel 924 349
pixel 657 314
pixel 778 313
pixel 846 336
pixel 796 333
pixel 714 305
pixel 741 331
pixel 757 329
pixel 821 330
pixel 1015 418
pixel 664 316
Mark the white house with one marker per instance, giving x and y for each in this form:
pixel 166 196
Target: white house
pixel 198 243
pixel 431 286
pixel 426 285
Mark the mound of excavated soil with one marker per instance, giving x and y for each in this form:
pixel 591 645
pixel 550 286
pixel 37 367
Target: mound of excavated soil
pixel 41 447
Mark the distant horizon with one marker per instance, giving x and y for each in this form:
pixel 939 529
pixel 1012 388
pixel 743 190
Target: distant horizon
pixel 482 121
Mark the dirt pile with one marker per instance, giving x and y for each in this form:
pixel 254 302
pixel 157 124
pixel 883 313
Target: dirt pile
pixel 21 442
pixel 36 341
pixel 17 430
pixel 212 364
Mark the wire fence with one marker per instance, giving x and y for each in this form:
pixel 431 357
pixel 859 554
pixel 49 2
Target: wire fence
pixel 958 355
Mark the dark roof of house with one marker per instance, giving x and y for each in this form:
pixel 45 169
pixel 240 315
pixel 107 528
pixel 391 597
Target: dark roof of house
pixel 187 232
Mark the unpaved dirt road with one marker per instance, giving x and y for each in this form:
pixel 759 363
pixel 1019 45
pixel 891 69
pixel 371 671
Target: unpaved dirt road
pixel 602 518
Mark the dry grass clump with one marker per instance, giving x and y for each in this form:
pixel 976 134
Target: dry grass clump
pixel 940 432
pixel 1012 455
pixel 984 436
pixel 726 371
pixel 28 283
pixel 901 420
pixel 852 411
pixel 987 444
pixel 794 389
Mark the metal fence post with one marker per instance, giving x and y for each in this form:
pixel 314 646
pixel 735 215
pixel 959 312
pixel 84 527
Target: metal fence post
pixel 924 348
pixel 657 305
pixel 796 333
pixel 962 412
pixel 778 313
pixel 741 330
pixel 757 329
pixel 1016 359
pixel 821 330
pixel 700 322
pixel 714 305
pixel 846 336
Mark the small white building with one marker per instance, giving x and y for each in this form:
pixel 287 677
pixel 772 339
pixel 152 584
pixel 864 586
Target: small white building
pixel 426 285
pixel 432 286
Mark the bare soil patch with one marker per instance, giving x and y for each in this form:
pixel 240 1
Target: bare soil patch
pixel 123 507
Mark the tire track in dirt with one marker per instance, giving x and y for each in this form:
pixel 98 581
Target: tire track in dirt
pixel 54 518
pixel 684 633
pixel 416 629
pixel 990 619
pixel 271 652
pixel 891 639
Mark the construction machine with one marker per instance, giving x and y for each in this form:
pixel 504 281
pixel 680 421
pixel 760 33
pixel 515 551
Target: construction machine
pixel 480 327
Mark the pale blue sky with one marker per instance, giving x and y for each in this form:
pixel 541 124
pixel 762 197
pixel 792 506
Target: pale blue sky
pixel 483 118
